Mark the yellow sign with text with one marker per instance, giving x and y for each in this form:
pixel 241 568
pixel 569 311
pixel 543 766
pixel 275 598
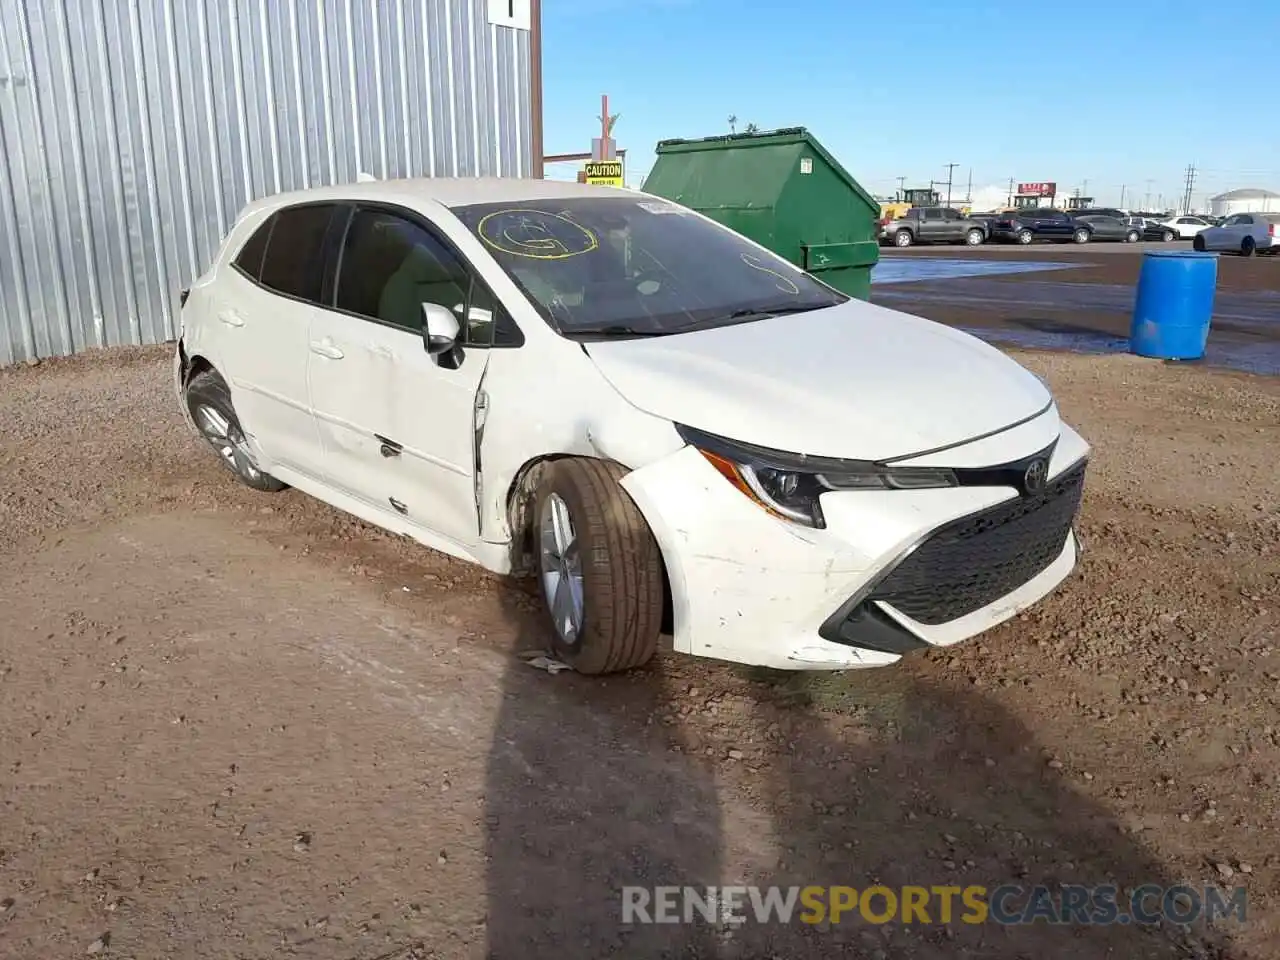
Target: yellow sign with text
pixel 605 173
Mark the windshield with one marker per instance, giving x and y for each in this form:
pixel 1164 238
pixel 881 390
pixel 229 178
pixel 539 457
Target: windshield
pixel 637 266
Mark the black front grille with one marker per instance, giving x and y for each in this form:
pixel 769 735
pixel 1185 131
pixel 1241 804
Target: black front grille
pixel 978 559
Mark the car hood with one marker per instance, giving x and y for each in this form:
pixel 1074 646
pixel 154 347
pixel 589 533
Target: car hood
pixel 854 380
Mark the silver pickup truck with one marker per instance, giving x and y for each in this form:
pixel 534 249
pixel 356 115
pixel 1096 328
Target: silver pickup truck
pixel 932 225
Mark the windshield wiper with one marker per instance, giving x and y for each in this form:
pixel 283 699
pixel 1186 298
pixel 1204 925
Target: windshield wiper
pixel 613 331
pixel 755 313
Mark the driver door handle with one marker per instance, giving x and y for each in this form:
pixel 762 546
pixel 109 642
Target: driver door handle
pixel 326 348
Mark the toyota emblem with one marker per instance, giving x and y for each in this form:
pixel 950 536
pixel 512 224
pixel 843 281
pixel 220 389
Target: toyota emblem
pixel 1037 472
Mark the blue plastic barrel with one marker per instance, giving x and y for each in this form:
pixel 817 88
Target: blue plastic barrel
pixel 1174 305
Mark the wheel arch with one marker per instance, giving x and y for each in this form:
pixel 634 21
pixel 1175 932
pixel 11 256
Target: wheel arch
pixel 520 521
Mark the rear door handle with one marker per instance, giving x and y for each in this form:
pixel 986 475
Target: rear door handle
pixel 231 318
pixel 326 348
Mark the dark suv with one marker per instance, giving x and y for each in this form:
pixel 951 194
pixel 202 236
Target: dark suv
pixel 932 225
pixel 1041 223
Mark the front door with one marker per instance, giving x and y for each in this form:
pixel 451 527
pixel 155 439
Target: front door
pixel 398 425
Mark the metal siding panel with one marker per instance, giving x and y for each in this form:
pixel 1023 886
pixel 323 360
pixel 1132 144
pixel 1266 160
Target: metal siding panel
pixel 132 132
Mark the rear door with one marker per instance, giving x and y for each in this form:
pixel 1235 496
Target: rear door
pixel 954 225
pixel 397 424
pixel 262 325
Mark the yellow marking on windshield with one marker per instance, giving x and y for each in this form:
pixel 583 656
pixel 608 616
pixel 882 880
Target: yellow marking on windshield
pixel 751 260
pixel 536 234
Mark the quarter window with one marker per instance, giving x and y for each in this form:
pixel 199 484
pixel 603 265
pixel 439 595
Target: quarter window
pixel 249 262
pixel 294 263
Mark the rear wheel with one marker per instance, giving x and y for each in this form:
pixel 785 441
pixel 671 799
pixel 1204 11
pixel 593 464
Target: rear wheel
pixel 1131 237
pixel 1081 235
pixel 209 403
pixel 1197 243
pixel 903 238
pixel 974 238
pixel 1168 236
pixel 1247 247
pixel 1025 236
pixel 599 567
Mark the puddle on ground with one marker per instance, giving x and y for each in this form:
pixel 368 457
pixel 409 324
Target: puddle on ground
pixel 1261 358
pixel 916 269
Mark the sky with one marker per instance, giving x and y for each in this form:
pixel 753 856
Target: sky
pixel 1090 94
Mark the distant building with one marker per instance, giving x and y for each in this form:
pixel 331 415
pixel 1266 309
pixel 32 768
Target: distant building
pixel 1246 200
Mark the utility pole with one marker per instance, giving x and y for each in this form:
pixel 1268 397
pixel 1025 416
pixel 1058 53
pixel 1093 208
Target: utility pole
pixel 968 193
pixel 1009 201
pixel 902 187
pixel 1191 182
pixel 950 169
pixel 1147 202
pixel 1122 186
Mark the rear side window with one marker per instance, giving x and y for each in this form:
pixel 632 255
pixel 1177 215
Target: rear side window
pixel 249 262
pixel 294 262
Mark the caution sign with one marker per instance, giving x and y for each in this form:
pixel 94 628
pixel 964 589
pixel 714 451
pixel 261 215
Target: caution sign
pixel 606 173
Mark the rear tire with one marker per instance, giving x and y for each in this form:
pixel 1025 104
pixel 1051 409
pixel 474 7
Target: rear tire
pixel 599 567
pixel 1132 237
pixel 1197 244
pixel 975 238
pixel 1081 236
pixel 1025 237
pixel 1247 247
pixel 903 238
pixel 1168 236
pixel 208 401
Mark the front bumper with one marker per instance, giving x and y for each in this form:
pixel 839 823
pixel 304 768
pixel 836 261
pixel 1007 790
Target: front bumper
pixel 892 572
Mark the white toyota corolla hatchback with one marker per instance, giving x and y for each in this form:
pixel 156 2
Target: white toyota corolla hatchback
pixel 675 429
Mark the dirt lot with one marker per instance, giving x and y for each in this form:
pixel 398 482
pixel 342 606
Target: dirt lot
pixel 242 725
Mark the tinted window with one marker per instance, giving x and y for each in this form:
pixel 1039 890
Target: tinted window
pixel 294 263
pixel 933 214
pixel 640 263
pixel 250 259
pixel 392 266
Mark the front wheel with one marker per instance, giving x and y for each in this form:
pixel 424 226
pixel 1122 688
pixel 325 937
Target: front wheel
pixel 599 567
pixel 903 238
pixel 1168 236
pixel 1247 247
pixel 208 400
pixel 1131 237
pixel 1197 244
pixel 974 238
pixel 1025 237
pixel 1081 236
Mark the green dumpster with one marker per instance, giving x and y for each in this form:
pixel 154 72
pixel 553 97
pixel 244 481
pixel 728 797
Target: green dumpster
pixel 782 190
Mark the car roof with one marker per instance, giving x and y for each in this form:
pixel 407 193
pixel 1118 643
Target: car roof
pixel 446 191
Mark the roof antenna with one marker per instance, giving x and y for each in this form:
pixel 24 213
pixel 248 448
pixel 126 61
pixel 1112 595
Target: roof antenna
pixel 363 177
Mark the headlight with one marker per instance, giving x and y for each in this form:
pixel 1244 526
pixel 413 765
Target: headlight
pixel 790 485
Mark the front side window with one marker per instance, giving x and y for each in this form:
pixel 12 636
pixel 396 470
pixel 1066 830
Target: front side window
pixel 637 266
pixel 294 262
pixel 392 265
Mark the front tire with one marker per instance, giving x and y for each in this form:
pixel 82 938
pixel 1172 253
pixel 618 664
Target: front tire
pixel 1168 236
pixel 903 238
pixel 1025 237
pixel 208 401
pixel 974 238
pixel 1197 244
pixel 1081 236
pixel 1247 247
pixel 599 567
pixel 1131 237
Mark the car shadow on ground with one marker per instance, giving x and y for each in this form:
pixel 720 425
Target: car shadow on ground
pixel 894 782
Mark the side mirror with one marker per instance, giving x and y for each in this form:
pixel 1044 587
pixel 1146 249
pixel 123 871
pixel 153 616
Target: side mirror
pixel 439 329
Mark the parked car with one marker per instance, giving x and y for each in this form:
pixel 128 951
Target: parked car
pixel 620 396
pixel 1153 228
pixel 1027 226
pixel 1244 233
pixel 932 225
pixel 1186 226
pixel 1102 212
pixel 1110 228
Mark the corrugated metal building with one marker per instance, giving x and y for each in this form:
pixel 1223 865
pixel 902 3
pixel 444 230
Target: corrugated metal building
pixel 133 131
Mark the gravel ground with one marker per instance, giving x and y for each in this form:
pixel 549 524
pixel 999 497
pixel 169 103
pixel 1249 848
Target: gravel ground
pixel 239 725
